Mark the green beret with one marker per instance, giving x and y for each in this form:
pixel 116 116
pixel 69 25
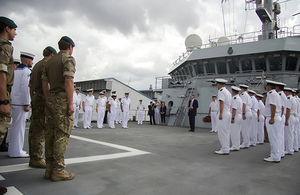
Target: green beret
pixel 8 22
pixel 51 49
pixel 69 40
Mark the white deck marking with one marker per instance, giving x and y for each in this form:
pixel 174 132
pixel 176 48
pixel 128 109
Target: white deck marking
pixel 12 191
pixel 1 178
pixel 130 152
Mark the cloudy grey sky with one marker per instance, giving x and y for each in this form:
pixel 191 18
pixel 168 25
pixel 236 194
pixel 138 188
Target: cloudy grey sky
pixel 137 39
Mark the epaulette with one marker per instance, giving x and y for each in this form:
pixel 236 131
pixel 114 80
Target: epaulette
pixel 288 97
pixel 280 94
pixel 234 98
pixel 242 93
pixel 270 92
pixel 221 89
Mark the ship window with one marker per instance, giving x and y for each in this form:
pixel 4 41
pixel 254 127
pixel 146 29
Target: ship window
pixel 199 68
pixel 246 64
pixel 291 63
pixel 260 64
pixel 275 63
pixel 191 69
pixel 221 66
pixel 233 66
pixel 210 68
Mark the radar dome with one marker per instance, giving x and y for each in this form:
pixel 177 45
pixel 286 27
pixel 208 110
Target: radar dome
pixel 223 41
pixel 192 42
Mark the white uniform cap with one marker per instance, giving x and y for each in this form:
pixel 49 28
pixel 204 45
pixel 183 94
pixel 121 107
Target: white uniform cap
pixel 259 95
pixel 280 83
pixel 251 91
pixel 214 95
pixel 288 89
pixel 27 55
pixel 101 93
pixel 244 86
pixel 89 90
pixel 235 88
pixel 272 82
pixel 295 89
pixel 223 81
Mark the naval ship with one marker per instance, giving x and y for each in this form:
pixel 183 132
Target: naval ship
pixel 272 53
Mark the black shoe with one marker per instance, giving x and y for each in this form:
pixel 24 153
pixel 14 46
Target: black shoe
pixel 3 190
pixel 192 130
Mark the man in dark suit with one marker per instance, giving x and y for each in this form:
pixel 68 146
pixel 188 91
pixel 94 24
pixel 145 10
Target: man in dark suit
pixel 193 105
pixel 151 113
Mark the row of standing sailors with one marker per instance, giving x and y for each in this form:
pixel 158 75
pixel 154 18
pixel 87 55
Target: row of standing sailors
pixel 245 114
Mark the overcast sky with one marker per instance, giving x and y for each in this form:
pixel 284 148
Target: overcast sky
pixel 137 39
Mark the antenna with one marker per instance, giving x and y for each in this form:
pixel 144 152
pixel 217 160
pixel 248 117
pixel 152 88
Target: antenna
pixel 129 81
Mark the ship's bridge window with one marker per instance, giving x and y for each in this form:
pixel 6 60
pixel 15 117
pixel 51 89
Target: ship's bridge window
pixel 221 67
pixel 199 68
pixel 246 64
pixel 233 66
pixel 191 69
pixel 291 63
pixel 260 64
pixel 210 68
pixel 275 63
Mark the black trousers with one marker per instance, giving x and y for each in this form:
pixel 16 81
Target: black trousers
pixel 192 121
pixel 152 120
pixel 163 118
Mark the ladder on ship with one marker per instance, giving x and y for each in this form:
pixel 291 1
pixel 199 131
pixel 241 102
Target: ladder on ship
pixel 182 110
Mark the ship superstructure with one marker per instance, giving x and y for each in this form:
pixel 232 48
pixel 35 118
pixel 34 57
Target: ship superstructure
pixel 271 55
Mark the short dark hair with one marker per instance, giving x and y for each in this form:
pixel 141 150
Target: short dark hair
pixel 273 86
pixel 63 45
pixel 46 52
pixel 2 27
pixel 281 87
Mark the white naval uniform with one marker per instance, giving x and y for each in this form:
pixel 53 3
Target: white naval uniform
pixel 76 104
pixel 261 123
pixel 113 111
pixel 140 108
pixel 157 114
pixel 101 107
pixel 246 124
pixel 88 107
pixel 297 125
pixel 273 98
pixel 235 128
pixel 119 113
pixel 289 130
pixel 126 106
pixel 223 125
pixel 20 98
pixel 254 123
pixel 281 132
pixel 213 115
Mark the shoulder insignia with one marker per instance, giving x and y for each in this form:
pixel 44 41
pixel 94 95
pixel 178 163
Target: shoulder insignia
pixel 221 89
pixel 242 93
pixel 234 98
pixel 288 97
pixel 280 94
pixel 270 92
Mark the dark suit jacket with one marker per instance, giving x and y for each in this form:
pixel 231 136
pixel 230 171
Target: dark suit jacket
pixel 151 110
pixel 193 112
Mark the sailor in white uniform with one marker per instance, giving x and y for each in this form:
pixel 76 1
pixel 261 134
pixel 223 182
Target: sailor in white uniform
pixel 296 127
pixel 224 99
pixel 273 121
pixel 213 109
pixel 157 112
pixel 140 109
pixel 112 109
pixel 107 105
pixel 20 106
pixel 119 112
pixel 87 105
pixel 261 120
pixel 236 119
pixel 100 109
pixel 125 108
pixel 254 119
pixel 279 90
pixel 76 105
pixel 289 126
pixel 246 115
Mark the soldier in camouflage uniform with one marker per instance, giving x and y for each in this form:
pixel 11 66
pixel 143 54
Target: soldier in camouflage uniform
pixel 59 73
pixel 36 137
pixel 7 33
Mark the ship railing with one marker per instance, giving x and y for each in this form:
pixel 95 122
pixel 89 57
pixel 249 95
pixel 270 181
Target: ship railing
pixel 244 38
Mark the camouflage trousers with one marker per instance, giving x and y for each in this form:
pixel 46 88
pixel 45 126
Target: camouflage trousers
pixel 58 129
pixel 36 137
pixel 4 122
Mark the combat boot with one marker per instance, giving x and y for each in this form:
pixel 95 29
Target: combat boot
pixel 37 163
pixel 61 175
pixel 48 172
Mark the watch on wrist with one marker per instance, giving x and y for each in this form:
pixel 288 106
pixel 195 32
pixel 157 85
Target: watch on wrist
pixel 5 102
